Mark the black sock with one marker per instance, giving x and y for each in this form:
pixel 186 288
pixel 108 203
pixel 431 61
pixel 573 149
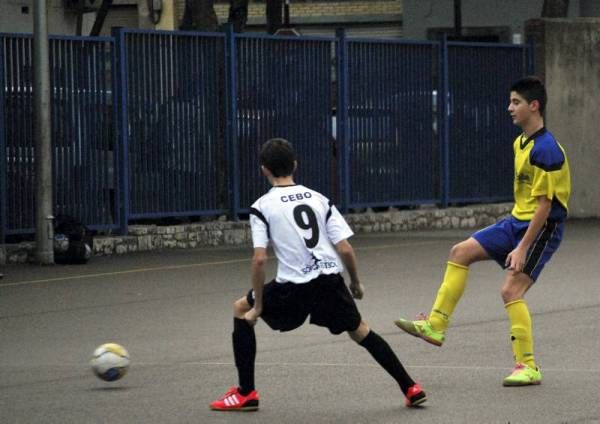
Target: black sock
pixel 383 354
pixel 244 351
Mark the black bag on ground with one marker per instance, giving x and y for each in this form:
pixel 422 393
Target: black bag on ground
pixel 72 241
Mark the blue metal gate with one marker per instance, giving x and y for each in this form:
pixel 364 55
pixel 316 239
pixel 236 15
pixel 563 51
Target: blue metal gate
pixel 284 90
pixel 480 132
pixel 150 124
pixel 393 151
pixel 81 104
pixel 170 124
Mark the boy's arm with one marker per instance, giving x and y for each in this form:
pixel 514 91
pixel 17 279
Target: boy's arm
pixel 257 271
pixel 346 252
pixel 515 261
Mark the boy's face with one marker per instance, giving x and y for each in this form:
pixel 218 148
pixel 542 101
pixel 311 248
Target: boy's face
pixel 520 110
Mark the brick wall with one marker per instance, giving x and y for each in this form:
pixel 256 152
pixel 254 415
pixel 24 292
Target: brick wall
pixel 361 8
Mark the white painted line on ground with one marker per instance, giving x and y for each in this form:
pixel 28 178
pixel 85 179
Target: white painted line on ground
pixel 184 266
pixel 373 365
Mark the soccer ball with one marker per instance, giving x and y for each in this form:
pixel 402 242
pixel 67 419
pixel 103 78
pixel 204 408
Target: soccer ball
pixel 110 361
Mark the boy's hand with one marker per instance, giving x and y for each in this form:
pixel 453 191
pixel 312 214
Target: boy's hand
pixel 515 261
pixel 357 290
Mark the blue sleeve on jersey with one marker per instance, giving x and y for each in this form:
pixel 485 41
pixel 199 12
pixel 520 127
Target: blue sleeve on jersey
pixel 546 155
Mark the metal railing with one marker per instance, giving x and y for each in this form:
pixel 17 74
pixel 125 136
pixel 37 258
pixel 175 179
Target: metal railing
pixel 152 124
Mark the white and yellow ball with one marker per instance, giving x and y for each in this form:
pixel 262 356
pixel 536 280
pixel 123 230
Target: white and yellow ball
pixel 110 361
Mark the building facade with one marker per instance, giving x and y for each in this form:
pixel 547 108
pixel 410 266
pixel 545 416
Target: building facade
pixel 372 18
pixel 482 20
pixel 67 17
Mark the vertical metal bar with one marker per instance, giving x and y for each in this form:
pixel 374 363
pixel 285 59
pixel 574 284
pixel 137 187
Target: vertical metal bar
pixel 342 120
pixel 42 135
pixel 144 175
pixel 88 133
pixel 202 119
pixel 78 84
pixel 443 112
pixel 121 124
pixel 57 106
pixel 231 140
pixel 166 197
pixel 3 174
pixel 72 110
pixel 530 49
pixel 110 136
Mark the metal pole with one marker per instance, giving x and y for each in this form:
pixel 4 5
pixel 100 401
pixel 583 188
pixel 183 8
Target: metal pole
pixel 231 135
pixel 3 175
pixel 42 135
pixel 122 126
pixel 341 120
pixel 457 19
pixel 444 122
pixel 286 14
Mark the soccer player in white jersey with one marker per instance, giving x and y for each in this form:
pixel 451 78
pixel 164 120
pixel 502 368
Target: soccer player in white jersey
pixel 309 237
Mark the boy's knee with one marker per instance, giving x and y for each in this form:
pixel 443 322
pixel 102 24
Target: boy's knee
pixel 360 333
pixel 459 253
pixel 240 307
pixel 515 287
pixel 507 294
pixel 466 252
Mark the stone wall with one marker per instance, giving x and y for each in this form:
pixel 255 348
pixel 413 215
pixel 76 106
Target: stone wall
pixel 568 60
pixel 217 233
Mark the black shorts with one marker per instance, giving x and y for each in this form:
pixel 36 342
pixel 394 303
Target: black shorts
pixel 326 299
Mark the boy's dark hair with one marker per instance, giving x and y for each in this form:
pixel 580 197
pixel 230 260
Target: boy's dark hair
pixel 531 88
pixel 278 156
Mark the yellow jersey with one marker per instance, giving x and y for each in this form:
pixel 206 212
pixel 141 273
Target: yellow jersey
pixel 541 169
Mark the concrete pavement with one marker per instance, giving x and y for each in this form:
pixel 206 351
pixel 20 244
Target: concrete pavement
pixel 172 311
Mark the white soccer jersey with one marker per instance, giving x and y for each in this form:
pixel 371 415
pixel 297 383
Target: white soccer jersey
pixel 303 227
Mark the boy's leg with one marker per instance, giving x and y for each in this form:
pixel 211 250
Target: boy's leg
pixel 448 295
pixel 244 397
pixel 526 371
pixel 455 279
pixel 244 346
pixel 515 286
pixel 380 350
pixel 453 285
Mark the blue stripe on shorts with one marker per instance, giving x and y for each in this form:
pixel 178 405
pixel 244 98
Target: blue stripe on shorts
pixel 501 238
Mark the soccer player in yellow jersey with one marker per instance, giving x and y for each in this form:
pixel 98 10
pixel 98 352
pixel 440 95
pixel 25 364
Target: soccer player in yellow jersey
pixel 522 243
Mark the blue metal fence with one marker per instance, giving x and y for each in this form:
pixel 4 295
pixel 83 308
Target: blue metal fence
pixel 3 158
pixel 149 124
pixel 81 102
pixel 18 134
pixel 390 134
pixel 82 129
pixel 480 131
pixel 172 123
pixel 284 90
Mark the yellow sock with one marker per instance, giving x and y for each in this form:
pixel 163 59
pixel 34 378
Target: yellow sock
pixel 448 295
pixel 520 332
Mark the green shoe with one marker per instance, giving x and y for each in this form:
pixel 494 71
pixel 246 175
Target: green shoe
pixel 523 375
pixel 421 328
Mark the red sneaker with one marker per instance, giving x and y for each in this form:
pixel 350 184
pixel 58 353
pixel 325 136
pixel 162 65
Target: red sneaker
pixel 415 396
pixel 234 401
